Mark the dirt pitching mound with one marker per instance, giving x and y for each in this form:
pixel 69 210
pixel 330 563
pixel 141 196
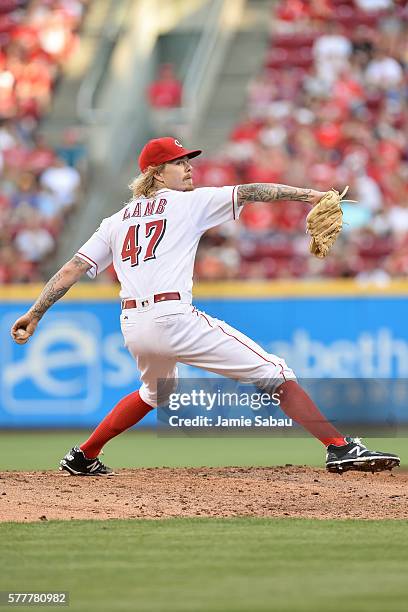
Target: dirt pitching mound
pixel 294 491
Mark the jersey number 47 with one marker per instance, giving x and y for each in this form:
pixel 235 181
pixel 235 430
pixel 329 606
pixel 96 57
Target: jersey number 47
pixel 154 230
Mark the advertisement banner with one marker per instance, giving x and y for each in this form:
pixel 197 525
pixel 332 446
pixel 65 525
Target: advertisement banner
pixel 76 367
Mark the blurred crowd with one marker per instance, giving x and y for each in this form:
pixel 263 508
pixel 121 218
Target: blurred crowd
pixel 39 185
pixel 166 90
pixel 328 109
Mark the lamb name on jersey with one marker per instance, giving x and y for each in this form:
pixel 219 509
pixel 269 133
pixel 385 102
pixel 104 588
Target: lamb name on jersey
pixel 149 208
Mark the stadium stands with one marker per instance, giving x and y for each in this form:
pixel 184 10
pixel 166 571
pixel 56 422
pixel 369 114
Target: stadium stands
pixel 328 109
pixel 39 185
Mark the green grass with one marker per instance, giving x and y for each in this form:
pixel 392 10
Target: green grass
pixel 187 565
pixel 43 450
pixel 212 565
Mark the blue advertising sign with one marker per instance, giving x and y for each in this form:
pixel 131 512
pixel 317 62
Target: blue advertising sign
pixel 76 368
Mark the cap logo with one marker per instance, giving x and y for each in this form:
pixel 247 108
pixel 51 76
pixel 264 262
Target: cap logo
pixel 176 142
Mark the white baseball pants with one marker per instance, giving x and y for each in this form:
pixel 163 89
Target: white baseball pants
pixel 165 333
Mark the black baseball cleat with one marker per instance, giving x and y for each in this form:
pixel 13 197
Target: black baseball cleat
pixel 77 464
pixel 355 456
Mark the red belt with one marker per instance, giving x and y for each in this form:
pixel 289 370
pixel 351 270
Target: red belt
pixel 159 297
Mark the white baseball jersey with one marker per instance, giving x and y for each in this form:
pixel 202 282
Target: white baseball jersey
pixel 152 242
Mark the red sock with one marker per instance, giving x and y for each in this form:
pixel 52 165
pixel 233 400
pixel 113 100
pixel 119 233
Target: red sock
pixel 296 403
pixel 129 411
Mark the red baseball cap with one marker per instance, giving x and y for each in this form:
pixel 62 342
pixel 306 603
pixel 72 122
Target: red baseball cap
pixel 162 150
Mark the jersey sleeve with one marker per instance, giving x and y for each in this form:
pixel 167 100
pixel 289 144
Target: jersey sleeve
pixel 97 251
pixel 211 206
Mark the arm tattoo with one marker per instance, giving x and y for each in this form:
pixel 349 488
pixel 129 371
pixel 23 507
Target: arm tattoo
pixel 58 285
pixel 80 264
pixel 53 291
pixel 268 192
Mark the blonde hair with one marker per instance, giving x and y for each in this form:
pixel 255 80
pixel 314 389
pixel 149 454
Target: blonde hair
pixel 144 185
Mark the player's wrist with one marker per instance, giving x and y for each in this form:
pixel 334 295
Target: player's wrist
pixel 34 316
pixel 315 197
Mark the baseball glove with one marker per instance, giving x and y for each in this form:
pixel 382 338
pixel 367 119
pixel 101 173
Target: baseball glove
pixel 324 222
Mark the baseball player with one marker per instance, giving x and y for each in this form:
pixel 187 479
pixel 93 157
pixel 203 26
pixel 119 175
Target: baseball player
pixel 152 243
